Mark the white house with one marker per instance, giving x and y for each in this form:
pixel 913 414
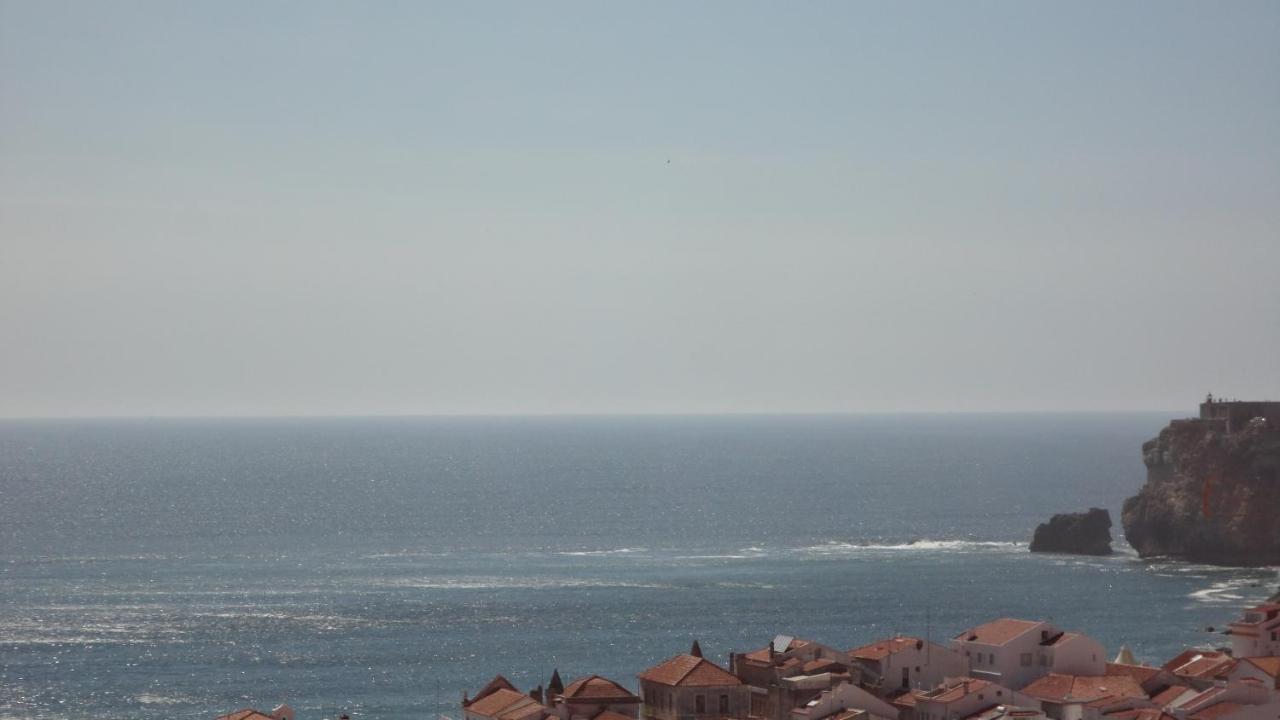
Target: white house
pixel 841 698
pixel 1014 652
pixel 1263 670
pixel 907 663
pixel 1257 634
pixel 959 698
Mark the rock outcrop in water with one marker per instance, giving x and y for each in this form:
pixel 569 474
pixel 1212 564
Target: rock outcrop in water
pixel 1086 533
pixel 1212 492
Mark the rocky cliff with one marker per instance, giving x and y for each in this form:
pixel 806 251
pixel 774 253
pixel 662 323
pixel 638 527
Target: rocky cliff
pixel 1210 496
pixel 1086 533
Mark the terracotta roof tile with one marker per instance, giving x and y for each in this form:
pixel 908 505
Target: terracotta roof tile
pixel 1169 694
pixel 1141 673
pixel 997 632
pixel 1204 664
pixel 526 709
pixel 821 665
pixel 497 701
pixel 497 683
pixel 952 693
pixel 689 671
pixel 1083 688
pixel 1140 714
pixel 1268 665
pixel 1222 709
pixel 763 654
pixel 882 649
pixel 594 687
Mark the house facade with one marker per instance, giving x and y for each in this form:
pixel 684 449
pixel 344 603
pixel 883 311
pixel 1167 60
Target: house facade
pixel 1014 652
pixel 690 687
pixel 959 698
pixel 906 663
pixel 1257 633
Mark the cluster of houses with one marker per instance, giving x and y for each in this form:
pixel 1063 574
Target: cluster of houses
pixel 1006 669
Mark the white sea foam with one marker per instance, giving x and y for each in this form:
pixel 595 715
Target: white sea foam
pixel 614 551
pixel 1233 590
pixel 154 699
pixel 923 545
pixel 515 583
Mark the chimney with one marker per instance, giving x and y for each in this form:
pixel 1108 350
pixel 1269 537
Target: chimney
pixel 536 694
pixel 696 649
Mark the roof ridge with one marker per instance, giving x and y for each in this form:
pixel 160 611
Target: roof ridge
pixel 694 666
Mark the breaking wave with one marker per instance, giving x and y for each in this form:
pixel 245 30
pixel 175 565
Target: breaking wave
pixel 923 545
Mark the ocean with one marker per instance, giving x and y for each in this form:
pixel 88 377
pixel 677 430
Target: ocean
pixel 184 568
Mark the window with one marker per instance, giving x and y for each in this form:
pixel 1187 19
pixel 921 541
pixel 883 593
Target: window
pixel 724 704
pixel 700 704
pixel 1026 659
pixel 1043 661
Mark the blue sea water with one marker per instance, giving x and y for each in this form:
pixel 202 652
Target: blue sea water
pixel 182 568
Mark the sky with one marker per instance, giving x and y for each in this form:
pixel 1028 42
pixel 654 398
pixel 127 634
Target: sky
pixel 313 208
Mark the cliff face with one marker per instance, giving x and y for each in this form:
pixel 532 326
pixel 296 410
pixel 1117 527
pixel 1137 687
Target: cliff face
pixel 1086 533
pixel 1210 496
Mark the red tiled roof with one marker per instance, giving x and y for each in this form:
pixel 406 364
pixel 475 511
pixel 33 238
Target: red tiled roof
pixel 594 687
pixel 497 683
pixel 1216 711
pixel 689 671
pixel 882 649
pixel 526 709
pixel 954 692
pixel 821 665
pixel 245 714
pixel 1140 714
pixel 1140 673
pixel 763 654
pixel 997 632
pixel 1169 694
pixel 497 701
pixel 1199 664
pixel 1203 699
pixel 1268 665
pixel 905 699
pixel 1083 688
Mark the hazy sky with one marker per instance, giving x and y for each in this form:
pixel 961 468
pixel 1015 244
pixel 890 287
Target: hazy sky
pixel 237 208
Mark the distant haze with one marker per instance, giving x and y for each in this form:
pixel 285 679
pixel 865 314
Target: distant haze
pixel 227 208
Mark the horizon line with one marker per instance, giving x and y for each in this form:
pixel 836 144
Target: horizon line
pixel 553 415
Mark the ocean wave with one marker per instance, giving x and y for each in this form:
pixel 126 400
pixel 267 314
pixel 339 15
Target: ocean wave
pixel 154 699
pixel 594 553
pixel 516 583
pixel 924 545
pixel 746 553
pixel 405 555
pixel 1233 590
